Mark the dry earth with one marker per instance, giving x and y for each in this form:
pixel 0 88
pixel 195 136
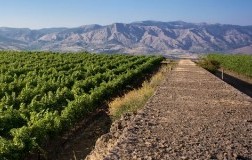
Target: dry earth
pixel 192 115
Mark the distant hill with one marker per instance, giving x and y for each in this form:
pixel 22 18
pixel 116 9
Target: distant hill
pixel 138 37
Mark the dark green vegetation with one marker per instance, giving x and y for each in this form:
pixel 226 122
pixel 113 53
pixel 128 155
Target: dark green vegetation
pixel 241 64
pixel 45 94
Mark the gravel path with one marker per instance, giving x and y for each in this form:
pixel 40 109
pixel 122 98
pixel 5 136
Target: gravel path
pixel 192 115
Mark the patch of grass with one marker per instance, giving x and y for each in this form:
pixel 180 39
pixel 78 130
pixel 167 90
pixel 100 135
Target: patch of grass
pixel 136 99
pixel 209 64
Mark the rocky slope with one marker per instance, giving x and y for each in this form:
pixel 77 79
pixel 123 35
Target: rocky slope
pixel 137 37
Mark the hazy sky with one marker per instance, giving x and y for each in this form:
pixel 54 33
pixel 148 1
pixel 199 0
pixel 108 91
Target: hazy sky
pixel 73 13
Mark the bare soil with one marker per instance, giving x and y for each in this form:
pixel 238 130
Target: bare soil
pixel 240 82
pixel 192 115
pixel 76 143
pixel 82 143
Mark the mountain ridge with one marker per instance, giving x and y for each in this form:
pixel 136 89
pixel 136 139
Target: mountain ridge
pixel 136 37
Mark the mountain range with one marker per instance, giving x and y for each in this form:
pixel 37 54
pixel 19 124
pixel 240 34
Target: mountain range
pixel 138 37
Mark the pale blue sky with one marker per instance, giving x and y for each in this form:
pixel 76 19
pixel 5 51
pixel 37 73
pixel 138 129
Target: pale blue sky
pixel 73 13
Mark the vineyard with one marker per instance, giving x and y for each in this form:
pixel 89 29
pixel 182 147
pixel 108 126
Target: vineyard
pixel 241 64
pixel 44 94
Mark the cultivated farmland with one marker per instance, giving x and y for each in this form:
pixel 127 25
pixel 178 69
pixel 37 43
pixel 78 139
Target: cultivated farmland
pixel 241 64
pixel 44 94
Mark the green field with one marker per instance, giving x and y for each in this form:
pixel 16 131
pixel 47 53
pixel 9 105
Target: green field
pixel 241 64
pixel 44 94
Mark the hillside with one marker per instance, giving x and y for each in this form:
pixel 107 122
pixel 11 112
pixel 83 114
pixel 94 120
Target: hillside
pixel 138 37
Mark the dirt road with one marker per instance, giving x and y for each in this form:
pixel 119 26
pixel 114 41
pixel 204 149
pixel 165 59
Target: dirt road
pixel 192 115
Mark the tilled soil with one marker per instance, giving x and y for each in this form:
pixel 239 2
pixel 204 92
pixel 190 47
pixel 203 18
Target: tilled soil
pixel 192 115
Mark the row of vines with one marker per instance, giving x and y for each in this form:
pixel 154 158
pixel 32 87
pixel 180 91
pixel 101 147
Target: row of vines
pixel 44 94
pixel 241 64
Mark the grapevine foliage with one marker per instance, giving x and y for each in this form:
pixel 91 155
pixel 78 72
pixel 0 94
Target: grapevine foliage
pixel 43 94
pixel 241 64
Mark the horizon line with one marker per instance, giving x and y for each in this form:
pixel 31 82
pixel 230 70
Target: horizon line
pixel 103 25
